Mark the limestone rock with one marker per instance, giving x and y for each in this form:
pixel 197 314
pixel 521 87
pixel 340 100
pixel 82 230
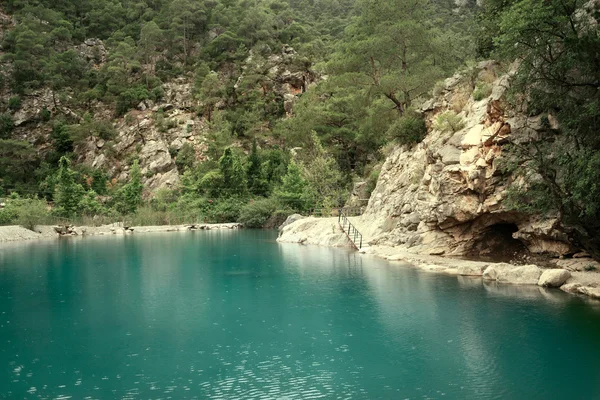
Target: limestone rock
pixel 593 292
pixel 554 278
pixel 452 182
pixel 292 218
pixel 470 270
pixel 524 275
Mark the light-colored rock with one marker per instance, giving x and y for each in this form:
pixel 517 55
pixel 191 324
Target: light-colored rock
pixel 319 231
pixel 593 292
pixel 523 275
pixel 289 220
pixel 554 278
pixel 471 270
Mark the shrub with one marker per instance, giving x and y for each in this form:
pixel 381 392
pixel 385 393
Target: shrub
pixel 26 212
pixel 482 90
pixel 45 115
pixel 449 121
pixel 257 213
pixel 408 129
pixel 226 210
pixel 14 103
pixel 6 126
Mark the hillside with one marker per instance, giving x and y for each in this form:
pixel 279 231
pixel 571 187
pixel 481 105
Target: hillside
pixel 251 110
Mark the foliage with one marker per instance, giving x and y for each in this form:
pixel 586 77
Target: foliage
pixel 292 191
pixel 14 103
pixel 27 212
pixel 232 171
pixel 482 90
pixel 129 196
pixel 448 121
pixel 559 167
pixel 408 129
pixel 255 214
pixel 257 182
pixel 6 126
pixel 186 157
pixel 68 194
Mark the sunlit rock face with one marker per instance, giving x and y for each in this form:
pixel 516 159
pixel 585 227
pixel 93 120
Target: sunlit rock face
pixel 446 195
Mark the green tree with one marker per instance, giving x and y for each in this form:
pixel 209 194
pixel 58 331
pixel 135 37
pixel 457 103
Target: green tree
pixel 186 157
pixel 558 77
pixel 257 184
pixel 211 92
pixel 390 50
pixel 292 191
pixel 232 170
pixel 67 193
pixel 129 197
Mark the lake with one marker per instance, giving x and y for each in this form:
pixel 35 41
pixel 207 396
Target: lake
pixel 235 315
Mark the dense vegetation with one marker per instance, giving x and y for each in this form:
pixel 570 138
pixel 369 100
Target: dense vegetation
pixel 338 124
pixel 373 61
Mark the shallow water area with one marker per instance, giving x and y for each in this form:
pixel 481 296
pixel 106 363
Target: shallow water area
pixel 235 315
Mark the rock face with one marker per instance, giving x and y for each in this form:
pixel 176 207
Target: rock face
pixel 154 132
pixel 445 195
pixel 554 278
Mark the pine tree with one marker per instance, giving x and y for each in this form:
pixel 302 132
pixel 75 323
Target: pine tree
pixel 257 184
pixel 292 191
pixel 67 193
pixel 234 176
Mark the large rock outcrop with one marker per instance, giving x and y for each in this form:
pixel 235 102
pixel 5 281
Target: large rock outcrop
pixel 445 195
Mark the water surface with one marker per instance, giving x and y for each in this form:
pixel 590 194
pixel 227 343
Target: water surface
pixel 234 315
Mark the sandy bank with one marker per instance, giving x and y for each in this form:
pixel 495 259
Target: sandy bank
pixel 570 275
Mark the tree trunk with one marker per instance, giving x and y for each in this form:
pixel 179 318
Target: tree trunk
pixel 397 103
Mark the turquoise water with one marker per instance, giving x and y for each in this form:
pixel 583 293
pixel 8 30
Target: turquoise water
pixel 235 315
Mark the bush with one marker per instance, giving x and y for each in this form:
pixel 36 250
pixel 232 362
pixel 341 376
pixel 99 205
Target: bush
pixel 6 126
pixel 257 213
pixel 226 210
pixel 408 129
pixel 45 115
pixel 26 212
pixel 482 90
pixel 449 121
pixel 14 103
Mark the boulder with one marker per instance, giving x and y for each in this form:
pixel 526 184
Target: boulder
pixel 523 275
pixel 554 278
pixel 593 292
pixel 292 218
pixel 471 270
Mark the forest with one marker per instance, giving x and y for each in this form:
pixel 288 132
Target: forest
pixel 367 65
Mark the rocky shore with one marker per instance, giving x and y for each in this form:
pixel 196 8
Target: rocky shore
pixel 17 233
pixel 575 276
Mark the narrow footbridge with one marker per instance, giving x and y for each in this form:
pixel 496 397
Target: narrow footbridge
pixel 350 230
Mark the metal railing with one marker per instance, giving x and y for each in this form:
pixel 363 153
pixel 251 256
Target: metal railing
pixel 328 212
pixel 350 230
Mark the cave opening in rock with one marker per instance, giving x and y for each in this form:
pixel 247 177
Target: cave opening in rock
pixel 497 244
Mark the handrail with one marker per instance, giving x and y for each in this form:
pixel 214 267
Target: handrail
pixel 350 230
pixel 328 212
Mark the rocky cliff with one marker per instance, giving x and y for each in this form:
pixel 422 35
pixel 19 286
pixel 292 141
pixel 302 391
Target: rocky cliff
pixel 154 131
pixel 446 194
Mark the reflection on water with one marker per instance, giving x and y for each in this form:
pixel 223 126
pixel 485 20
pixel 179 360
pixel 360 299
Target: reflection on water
pixel 234 315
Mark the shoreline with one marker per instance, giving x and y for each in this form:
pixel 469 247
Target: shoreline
pixel 568 275
pixel 17 233
pixel 564 277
